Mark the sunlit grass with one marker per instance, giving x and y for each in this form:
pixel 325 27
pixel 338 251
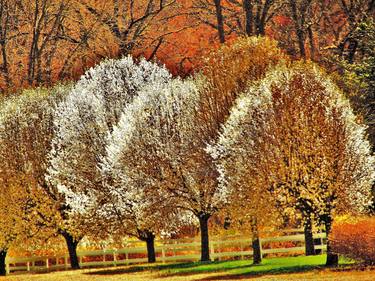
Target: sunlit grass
pixel 237 267
pixel 274 265
pixel 286 268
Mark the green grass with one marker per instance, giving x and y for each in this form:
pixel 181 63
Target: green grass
pixel 232 268
pixel 289 268
pixel 245 267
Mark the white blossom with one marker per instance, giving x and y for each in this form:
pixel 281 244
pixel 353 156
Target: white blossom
pixel 85 118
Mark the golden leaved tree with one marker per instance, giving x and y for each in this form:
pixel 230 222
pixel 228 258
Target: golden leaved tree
pixel 297 126
pixel 26 123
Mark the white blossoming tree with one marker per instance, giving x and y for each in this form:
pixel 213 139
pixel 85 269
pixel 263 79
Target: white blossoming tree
pixel 83 121
pixel 155 146
pixel 132 201
pixel 315 153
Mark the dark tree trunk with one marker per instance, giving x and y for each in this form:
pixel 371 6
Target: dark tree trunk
pixel 72 244
pixel 301 43
pixel 311 40
pixel 4 67
pixel 148 237
pixel 220 20
pixel 255 242
pixel 205 247
pixel 298 25
pixel 3 254
pixel 332 258
pixel 263 16
pixel 261 29
pixel 352 48
pixel 309 240
pixel 249 18
pixel 151 248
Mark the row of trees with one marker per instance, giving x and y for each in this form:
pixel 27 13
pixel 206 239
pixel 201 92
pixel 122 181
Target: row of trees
pixel 36 34
pixel 129 150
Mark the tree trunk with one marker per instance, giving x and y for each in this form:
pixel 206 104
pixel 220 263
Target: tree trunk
pixel 301 43
pixel 309 240
pixel 255 242
pixel 261 29
pixel 261 25
pixel 311 40
pixel 332 258
pixel 352 48
pixel 3 254
pixel 151 248
pixel 249 18
pixel 148 237
pixel 205 247
pixel 72 248
pixel 298 25
pixel 220 20
pixel 4 67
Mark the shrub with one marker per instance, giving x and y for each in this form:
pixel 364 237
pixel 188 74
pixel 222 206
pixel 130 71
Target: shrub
pixel 355 240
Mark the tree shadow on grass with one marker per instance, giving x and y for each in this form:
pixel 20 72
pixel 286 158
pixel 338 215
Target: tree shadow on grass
pixel 140 268
pixel 201 268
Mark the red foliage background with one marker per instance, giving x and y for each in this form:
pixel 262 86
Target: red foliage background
pixel 355 240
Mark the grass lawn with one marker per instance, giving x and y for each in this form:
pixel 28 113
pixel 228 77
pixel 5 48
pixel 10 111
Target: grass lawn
pixel 291 268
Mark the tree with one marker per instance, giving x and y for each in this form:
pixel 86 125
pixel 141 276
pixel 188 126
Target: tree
pixel 243 170
pixel 355 75
pixel 356 13
pixel 318 159
pixel 16 223
pixel 83 121
pixel 235 17
pixel 133 167
pixel 28 123
pixel 160 148
pixel 129 22
pixel 328 167
pixel 6 19
pixel 187 163
pixel 218 93
pixel 208 8
pixel 255 55
pixel 26 210
pixel 251 17
pixel 36 34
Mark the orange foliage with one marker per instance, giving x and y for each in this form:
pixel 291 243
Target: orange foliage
pixel 282 20
pixel 225 79
pixel 185 42
pixel 355 240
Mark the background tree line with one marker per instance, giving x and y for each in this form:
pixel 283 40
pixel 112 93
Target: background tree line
pixel 43 41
